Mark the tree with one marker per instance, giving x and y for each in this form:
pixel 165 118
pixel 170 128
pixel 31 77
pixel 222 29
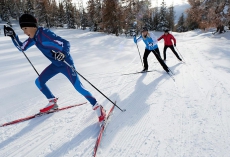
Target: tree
pixel 209 13
pixel 128 19
pixel 5 12
pixel 70 11
pixel 91 8
pixel 42 13
pixel 81 16
pixel 144 18
pixel 155 15
pixel 84 21
pixel 110 16
pixel 181 24
pixel 60 18
pixel 29 9
pixel 171 17
pixel 163 23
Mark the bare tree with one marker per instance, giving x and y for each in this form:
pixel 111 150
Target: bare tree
pixel 110 16
pixel 209 13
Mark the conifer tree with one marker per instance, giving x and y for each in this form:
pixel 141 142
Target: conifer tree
pixel 29 9
pixel 61 15
pixel 5 12
pixel 171 17
pixel 181 24
pixel 155 15
pixel 91 8
pixel 110 16
pixel 163 23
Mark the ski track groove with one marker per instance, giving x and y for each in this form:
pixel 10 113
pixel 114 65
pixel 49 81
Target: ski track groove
pixel 45 138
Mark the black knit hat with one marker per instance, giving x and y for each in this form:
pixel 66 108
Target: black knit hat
pixel 27 20
pixel 144 29
pixel 166 31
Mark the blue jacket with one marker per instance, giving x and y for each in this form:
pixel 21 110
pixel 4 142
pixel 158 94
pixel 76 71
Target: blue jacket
pixel 46 40
pixel 150 41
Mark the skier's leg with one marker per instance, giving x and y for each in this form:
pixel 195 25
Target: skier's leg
pixel 74 79
pixel 164 51
pixel 174 51
pixel 145 58
pixel 165 67
pixel 47 73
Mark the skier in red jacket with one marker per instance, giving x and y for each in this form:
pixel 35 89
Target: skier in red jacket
pixel 168 43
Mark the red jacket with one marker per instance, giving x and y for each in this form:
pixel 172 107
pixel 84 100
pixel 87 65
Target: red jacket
pixel 168 39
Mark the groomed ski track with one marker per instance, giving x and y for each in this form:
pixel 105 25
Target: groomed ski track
pixel 163 118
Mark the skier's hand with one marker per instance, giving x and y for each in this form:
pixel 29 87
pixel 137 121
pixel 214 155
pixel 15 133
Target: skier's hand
pixel 8 31
pixel 59 56
pixel 175 45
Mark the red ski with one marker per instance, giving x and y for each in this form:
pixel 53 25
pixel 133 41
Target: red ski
pixel 39 114
pixel 101 132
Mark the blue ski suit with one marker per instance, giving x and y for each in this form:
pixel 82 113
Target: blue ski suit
pixel 46 40
pixel 151 46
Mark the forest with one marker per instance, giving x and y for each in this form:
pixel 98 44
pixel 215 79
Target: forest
pixel 119 16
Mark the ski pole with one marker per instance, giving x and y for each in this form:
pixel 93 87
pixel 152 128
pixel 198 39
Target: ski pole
pixel 94 86
pixel 25 55
pixel 139 52
pixel 179 53
pixel 162 62
pixel 91 84
pixel 140 55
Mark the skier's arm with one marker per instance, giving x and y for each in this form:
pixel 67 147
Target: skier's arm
pixel 160 38
pixel 56 43
pixel 139 38
pixel 8 31
pixel 174 40
pixel 23 45
pixel 136 40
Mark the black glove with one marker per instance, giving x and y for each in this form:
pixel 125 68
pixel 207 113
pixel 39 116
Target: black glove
pixel 58 56
pixel 175 45
pixel 8 31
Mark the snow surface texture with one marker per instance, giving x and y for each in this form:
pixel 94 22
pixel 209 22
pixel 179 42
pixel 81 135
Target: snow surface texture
pixel 185 118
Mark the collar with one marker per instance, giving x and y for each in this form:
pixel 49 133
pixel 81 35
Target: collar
pixel 36 34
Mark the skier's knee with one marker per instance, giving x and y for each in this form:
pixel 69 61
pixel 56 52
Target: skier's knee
pixel 38 83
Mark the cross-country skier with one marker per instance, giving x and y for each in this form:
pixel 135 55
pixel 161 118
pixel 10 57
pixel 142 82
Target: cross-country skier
pixel 168 43
pixel 151 46
pixel 46 41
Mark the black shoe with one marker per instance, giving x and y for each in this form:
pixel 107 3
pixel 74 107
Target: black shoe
pixel 144 70
pixel 167 70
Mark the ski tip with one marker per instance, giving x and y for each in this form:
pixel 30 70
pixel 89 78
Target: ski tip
pixel 123 110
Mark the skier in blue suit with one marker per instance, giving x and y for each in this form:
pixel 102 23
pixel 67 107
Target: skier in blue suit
pixel 47 41
pixel 151 46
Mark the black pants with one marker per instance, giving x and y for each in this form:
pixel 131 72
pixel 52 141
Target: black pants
pixel 173 50
pixel 156 52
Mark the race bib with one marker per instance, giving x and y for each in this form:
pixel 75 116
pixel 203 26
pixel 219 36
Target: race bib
pixel 150 44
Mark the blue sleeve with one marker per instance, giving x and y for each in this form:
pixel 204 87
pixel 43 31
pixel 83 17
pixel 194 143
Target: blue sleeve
pixel 23 45
pixel 139 38
pixel 56 42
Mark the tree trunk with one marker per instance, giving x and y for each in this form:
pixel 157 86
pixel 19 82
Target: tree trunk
pixel 220 29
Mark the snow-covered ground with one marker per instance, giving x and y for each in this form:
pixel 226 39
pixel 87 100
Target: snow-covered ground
pixel 185 118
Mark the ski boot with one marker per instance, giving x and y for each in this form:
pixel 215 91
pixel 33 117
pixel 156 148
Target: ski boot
pixel 100 112
pixel 52 105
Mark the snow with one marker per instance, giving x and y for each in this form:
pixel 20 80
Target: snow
pixel 188 117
